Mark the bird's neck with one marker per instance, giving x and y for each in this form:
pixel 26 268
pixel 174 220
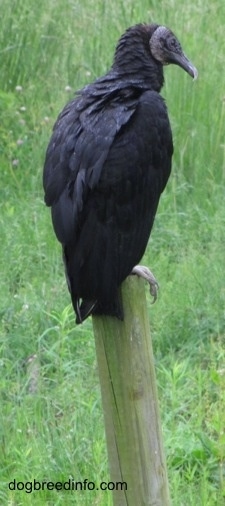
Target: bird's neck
pixel 147 76
pixel 133 59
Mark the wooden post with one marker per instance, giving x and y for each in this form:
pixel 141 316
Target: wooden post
pixel 130 404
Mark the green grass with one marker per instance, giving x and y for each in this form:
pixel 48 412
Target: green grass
pixel 51 424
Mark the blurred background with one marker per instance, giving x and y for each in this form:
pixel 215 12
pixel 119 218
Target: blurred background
pixel 51 423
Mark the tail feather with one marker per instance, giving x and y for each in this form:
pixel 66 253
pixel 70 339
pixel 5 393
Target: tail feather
pixel 113 308
pixel 85 308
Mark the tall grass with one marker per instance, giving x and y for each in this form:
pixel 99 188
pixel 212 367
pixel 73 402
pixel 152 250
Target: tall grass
pixel 51 419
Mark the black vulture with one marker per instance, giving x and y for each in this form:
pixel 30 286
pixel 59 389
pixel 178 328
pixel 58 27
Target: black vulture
pixel 106 165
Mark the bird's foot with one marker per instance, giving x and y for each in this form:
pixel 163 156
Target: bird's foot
pixel 144 272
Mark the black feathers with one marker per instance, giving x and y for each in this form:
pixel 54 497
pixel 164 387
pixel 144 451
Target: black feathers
pixel 106 165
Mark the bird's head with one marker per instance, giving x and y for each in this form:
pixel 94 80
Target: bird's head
pixel 166 49
pixel 144 49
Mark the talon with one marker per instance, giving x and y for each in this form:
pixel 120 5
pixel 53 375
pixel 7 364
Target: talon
pixel 144 272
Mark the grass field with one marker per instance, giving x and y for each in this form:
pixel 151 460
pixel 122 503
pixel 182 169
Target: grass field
pixel 51 424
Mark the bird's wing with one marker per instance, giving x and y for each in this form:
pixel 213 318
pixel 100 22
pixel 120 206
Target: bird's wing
pixel 133 177
pixel 104 173
pixel 78 149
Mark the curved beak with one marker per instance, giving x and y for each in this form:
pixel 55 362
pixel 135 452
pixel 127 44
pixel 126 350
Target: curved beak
pixel 183 62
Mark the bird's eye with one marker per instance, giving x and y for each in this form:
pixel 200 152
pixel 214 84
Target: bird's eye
pixel 172 43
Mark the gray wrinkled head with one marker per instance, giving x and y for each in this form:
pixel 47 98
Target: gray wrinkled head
pixel 166 49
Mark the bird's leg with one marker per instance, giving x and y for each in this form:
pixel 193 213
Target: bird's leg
pixel 144 272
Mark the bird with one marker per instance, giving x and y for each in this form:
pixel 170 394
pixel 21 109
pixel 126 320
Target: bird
pixel 107 162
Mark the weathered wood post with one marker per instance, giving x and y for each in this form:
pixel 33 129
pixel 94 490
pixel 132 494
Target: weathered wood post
pixel 130 403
